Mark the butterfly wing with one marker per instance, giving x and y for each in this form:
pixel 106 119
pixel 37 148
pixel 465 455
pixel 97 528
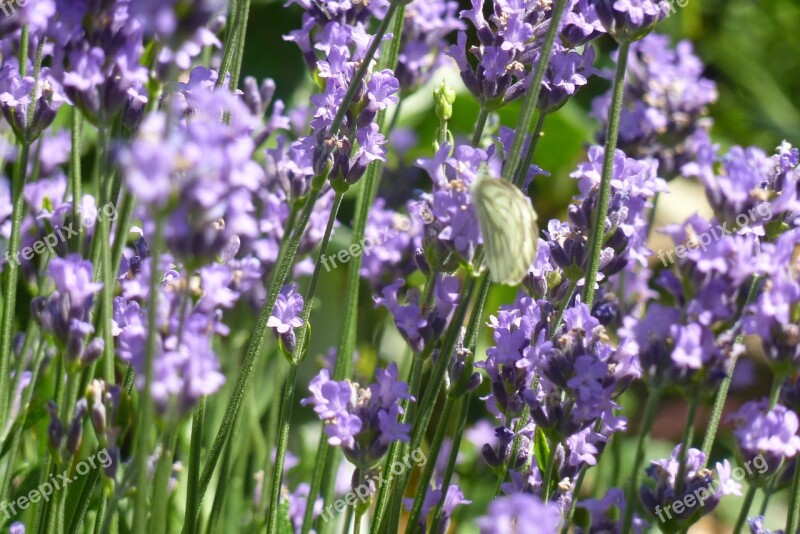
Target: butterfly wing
pixel 508 225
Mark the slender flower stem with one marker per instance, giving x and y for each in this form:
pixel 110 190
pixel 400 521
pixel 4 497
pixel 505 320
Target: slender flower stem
pixel 290 386
pixel 231 38
pixel 525 415
pixel 722 392
pixel 480 126
pixel 355 83
pixel 686 440
pixel 282 270
pixel 548 471
pixel 598 225
pixel 75 176
pixel 748 501
pixel 775 390
pixel 145 416
pixel 522 171
pixel 283 442
pixel 432 391
pixel 644 432
pixel 12 274
pixel 326 456
pixel 461 422
pixel 433 455
pixel 257 340
pixel 531 99
pixel 161 480
pixel 793 516
pixel 195 447
pixel 237 59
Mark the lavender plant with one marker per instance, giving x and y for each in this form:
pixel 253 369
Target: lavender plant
pixel 163 211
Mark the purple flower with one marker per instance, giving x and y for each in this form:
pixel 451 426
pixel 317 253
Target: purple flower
pixel 16 94
pixel 630 20
pixel 518 513
pixel 660 489
pixel 770 434
pixel 364 422
pixel 65 313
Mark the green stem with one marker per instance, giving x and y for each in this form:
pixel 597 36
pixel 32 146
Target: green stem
pixel 548 471
pixel 522 171
pixel 355 83
pixel 644 432
pixel 257 340
pixel 301 349
pixel 12 274
pixel 793 515
pixel 576 495
pixel 237 60
pixel 686 440
pixel 23 411
pixel 531 99
pixel 433 455
pixel 748 501
pixel 326 456
pixel 231 38
pixel 612 132
pixel 161 480
pixel 480 126
pixel 437 522
pixel 722 392
pixel 435 386
pixel 123 228
pixel 195 448
pixel 283 442
pixel 145 416
pixel 56 513
pixel 75 177
pixel 775 390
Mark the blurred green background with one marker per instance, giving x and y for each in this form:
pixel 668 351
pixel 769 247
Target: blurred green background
pixel 751 48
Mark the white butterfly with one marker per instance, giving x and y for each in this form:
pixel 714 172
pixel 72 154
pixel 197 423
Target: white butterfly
pixel 508 225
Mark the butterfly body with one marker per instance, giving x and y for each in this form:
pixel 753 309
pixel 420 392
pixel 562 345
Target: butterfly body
pixel 508 226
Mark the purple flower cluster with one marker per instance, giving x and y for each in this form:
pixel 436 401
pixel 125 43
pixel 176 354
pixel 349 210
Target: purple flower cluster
pixel 65 313
pixel 665 102
pixel 185 366
pixel 334 42
pixel 363 421
pixel 421 323
pixel 510 46
pixel 663 488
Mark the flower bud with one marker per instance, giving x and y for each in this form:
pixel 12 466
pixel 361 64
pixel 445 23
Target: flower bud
pixel 443 97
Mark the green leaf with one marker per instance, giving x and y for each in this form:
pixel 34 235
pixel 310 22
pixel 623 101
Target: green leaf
pixel 541 449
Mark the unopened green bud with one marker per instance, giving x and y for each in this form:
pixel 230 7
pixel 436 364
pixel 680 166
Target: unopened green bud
pixel 444 96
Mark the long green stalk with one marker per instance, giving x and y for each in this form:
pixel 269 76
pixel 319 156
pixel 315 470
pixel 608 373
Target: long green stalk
pixel 531 99
pixel 146 407
pixel 633 486
pixel 290 386
pixel 433 455
pixel 722 392
pixel 12 275
pixel 326 456
pixel 193 476
pixel 600 211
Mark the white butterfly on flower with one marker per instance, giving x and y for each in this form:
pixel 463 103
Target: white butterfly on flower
pixel 508 225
